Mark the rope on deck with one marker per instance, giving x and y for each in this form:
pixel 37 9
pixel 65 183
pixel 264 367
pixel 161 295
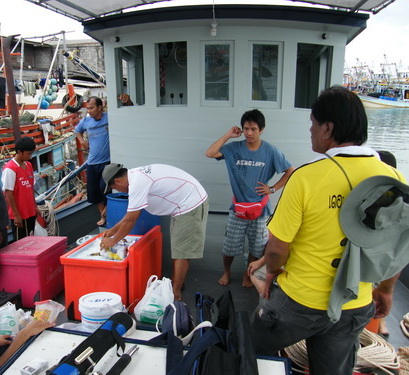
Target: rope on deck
pixel 403 354
pixel 374 352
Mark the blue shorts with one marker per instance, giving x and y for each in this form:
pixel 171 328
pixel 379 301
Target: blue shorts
pixel 95 183
pixel 236 231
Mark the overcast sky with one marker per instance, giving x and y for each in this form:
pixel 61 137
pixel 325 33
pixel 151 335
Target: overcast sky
pixel 386 32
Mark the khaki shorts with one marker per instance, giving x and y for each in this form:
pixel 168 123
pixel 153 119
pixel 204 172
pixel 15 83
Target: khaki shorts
pixel 188 232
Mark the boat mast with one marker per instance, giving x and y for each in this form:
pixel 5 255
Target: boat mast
pixel 8 70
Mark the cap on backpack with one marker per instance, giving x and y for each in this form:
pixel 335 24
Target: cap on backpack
pixel 376 210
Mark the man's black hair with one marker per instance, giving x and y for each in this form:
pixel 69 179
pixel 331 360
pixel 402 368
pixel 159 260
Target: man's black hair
pixel 122 172
pixel 345 110
pixel 254 116
pixel 98 101
pixel 25 144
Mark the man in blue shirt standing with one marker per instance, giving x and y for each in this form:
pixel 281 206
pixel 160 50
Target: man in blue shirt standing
pixel 96 127
pixel 251 163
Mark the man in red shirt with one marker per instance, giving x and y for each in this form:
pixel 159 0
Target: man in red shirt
pixel 18 184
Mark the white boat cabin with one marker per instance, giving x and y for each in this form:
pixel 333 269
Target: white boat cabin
pixel 192 76
pixel 193 70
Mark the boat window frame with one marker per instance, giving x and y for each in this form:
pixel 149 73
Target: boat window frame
pixel 280 59
pixel 135 89
pixel 177 100
pixel 216 103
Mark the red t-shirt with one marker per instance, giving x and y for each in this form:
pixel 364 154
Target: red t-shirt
pixel 23 189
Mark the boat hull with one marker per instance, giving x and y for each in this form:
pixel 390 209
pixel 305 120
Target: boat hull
pixel 370 102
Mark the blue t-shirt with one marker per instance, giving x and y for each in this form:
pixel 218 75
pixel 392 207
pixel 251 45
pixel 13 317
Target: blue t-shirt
pixel 246 168
pixel 98 138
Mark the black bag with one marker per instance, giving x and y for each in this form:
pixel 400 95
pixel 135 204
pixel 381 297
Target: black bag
pixel 204 307
pixel 222 349
pixel 177 319
pixel 239 357
pixel 103 339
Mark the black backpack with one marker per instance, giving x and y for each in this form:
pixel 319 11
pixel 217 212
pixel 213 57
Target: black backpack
pixel 177 319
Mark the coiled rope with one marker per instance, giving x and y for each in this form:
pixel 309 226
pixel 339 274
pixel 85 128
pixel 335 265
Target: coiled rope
pixel 404 324
pixel 374 352
pixel 403 354
pixel 47 212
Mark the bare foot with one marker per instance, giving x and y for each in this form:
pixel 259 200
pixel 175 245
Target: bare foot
pixel 224 280
pixel 383 329
pixel 101 221
pixel 246 283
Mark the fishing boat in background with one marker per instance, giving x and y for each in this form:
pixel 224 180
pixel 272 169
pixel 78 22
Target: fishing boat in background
pixel 49 116
pixel 395 97
pixel 388 88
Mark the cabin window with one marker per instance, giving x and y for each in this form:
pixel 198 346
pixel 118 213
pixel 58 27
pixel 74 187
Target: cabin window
pixel 130 74
pixel 46 160
pixel 266 70
pixel 217 73
pixel 172 73
pixel 313 74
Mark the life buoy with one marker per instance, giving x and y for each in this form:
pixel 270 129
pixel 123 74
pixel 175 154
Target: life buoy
pixel 76 106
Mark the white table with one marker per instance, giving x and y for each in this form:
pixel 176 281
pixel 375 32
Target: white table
pixel 52 345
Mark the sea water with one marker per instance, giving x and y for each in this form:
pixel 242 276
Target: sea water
pixel 388 129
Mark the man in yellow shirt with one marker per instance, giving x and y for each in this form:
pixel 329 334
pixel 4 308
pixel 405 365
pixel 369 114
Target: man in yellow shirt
pixel 307 239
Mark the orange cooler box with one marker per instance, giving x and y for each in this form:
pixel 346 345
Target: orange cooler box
pixel 128 277
pixel 32 265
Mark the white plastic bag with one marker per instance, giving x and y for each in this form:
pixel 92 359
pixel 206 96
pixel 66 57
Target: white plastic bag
pixel 39 231
pixel 158 295
pixel 8 320
pixel 47 311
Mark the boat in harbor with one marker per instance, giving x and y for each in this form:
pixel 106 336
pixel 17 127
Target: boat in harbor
pixel 387 89
pixel 395 97
pixel 49 116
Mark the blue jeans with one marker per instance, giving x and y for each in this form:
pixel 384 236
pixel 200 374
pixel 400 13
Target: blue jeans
pixel 280 322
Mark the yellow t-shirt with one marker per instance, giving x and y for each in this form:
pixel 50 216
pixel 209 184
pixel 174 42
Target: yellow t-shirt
pixel 307 217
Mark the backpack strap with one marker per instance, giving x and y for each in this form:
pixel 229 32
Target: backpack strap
pixel 340 166
pixel 211 337
pixel 187 339
pixel 176 363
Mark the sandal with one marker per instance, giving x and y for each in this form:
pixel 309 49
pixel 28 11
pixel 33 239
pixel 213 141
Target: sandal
pixel 404 324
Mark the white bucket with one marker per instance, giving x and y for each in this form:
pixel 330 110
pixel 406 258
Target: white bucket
pixel 96 308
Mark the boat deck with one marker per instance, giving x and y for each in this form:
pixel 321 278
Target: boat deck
pixel 204 280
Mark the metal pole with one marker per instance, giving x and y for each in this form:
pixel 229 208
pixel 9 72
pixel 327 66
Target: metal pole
pixel 14 48
pixel 21 64
pixel 8 70
pixel 65 64
pixel 47 79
